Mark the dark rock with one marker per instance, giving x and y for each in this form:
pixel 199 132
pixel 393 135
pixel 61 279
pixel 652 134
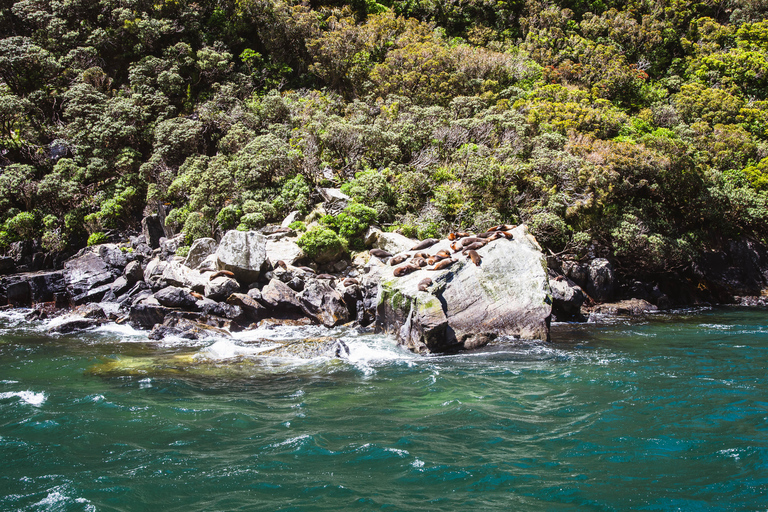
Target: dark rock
pixel 254 293
pixel 174 297
pixel 279 297
pixel 7 265
pixel 152 229
pixel 600 281
pixel 112 255
pixel 43 286
pixel 93 295
pixel 147 315
pixel 567 298
pixel 222 309
pixel 133 272
pixel 19 293
pixel 74 324
pixel 629 307
pixel 169 246
pixel 220 288
pixel 91 311
pixel 86 272
pixel 130 294
pixel 323 303
pixel 250 306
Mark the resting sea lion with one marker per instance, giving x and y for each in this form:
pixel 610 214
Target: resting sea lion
pixel 475 246
pixel 443 264
pixel 424 255
pixel 457 235
pixel 350 281
pixel 424 284
pixel 456 246
pixel 221 273
pixel 476 259
pixel 471 240
pixel 405 269
pixel 380 253
pixel 507 234
pixel 419 262
pixel 281 264
pixel 396 260
pixel 429 242
pixel 502 227
pixel 306 269
pixel 325 276
pixel 196 295
pixel 442 254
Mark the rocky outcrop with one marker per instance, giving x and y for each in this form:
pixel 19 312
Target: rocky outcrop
pixel 243 253
pixel 34 287
pixel 393 243
pixel 89 275
pixel 200 249
pixel 467 305
pixel 152 229
pixel 567 299
pixel 324 304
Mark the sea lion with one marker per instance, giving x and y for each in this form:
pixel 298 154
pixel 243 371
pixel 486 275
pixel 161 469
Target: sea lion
pixel 473 247
pixel 196 295
pixel 507 234
pixel 429 242
pixel 220 273
pixel 306 269
pixel 350 281
pixel 432 260
pixel 502 227
pixel 325 276
pixel 419 262
pixel 396 260
pixel 471 240
pixel 456 246
pixel 424 255
pixel 443 264
pixel 405 269
pixel 476 259
pixel 442 254
pixel 424 284
pixel 281 264
pixel 380 253
pixel 458 235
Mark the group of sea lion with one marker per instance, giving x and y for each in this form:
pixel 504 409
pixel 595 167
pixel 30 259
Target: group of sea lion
pixel 465 243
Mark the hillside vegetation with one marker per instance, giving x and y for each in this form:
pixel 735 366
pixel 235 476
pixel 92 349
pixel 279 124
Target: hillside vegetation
pixel 633 129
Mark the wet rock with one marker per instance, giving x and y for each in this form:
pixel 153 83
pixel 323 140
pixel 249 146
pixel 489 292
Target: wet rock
pixel 600 280
pixel 242 253
pixel 309 348
pixel 45 286
pixel 145 316
pixel 567 298
pixel 468 305
pixel 132 293
pixel 220 288
pixel 7 265
pixel 133 272
pixel 152 229
pixel 73 324
pixel 90 311
pixel 200 250
pixel 87 275
pixel 250 306
pixel 18 293
pixel 279 297
pixel 323 303
pixel 174 297
pixel 629 307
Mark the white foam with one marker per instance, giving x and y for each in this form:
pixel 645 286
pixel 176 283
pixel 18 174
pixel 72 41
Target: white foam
pixel 59 501
pixel 228 349
pixel 29 397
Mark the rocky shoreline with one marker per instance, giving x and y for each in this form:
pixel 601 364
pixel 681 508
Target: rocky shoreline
pixel 497 285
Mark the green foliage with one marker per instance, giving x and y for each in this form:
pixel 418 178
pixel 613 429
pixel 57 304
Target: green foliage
pixel 352 222
pixel 319 240
pixel 97 238
pixel 228 217
pixel 197 225
pixel 22 226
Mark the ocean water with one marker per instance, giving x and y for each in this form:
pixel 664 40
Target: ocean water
pixel 670 413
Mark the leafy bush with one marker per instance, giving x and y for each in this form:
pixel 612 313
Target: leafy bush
pixel 97 238
pixel 321 244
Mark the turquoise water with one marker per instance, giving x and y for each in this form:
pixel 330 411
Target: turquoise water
pixel 669 414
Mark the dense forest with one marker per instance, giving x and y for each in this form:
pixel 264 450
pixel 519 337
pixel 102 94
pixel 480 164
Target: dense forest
pixel 632 129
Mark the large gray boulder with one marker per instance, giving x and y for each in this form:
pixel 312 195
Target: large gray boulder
pixel 391 242
pixel 242 253
pixel 323 303
pixel 87 274
pixel 201 249
pixel 468 305
pixel 286 250
pixel 600 282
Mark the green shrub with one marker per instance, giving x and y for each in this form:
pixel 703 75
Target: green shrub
pixel 54 241
pixel 228 217
pixel 196 226
pixel 295 195
pixel 550 230
pixel 22 226
pixel 183 251
pixel 97 238
pixel 298 226
pixel 352 222
pixel 321 244
pixel 251 221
